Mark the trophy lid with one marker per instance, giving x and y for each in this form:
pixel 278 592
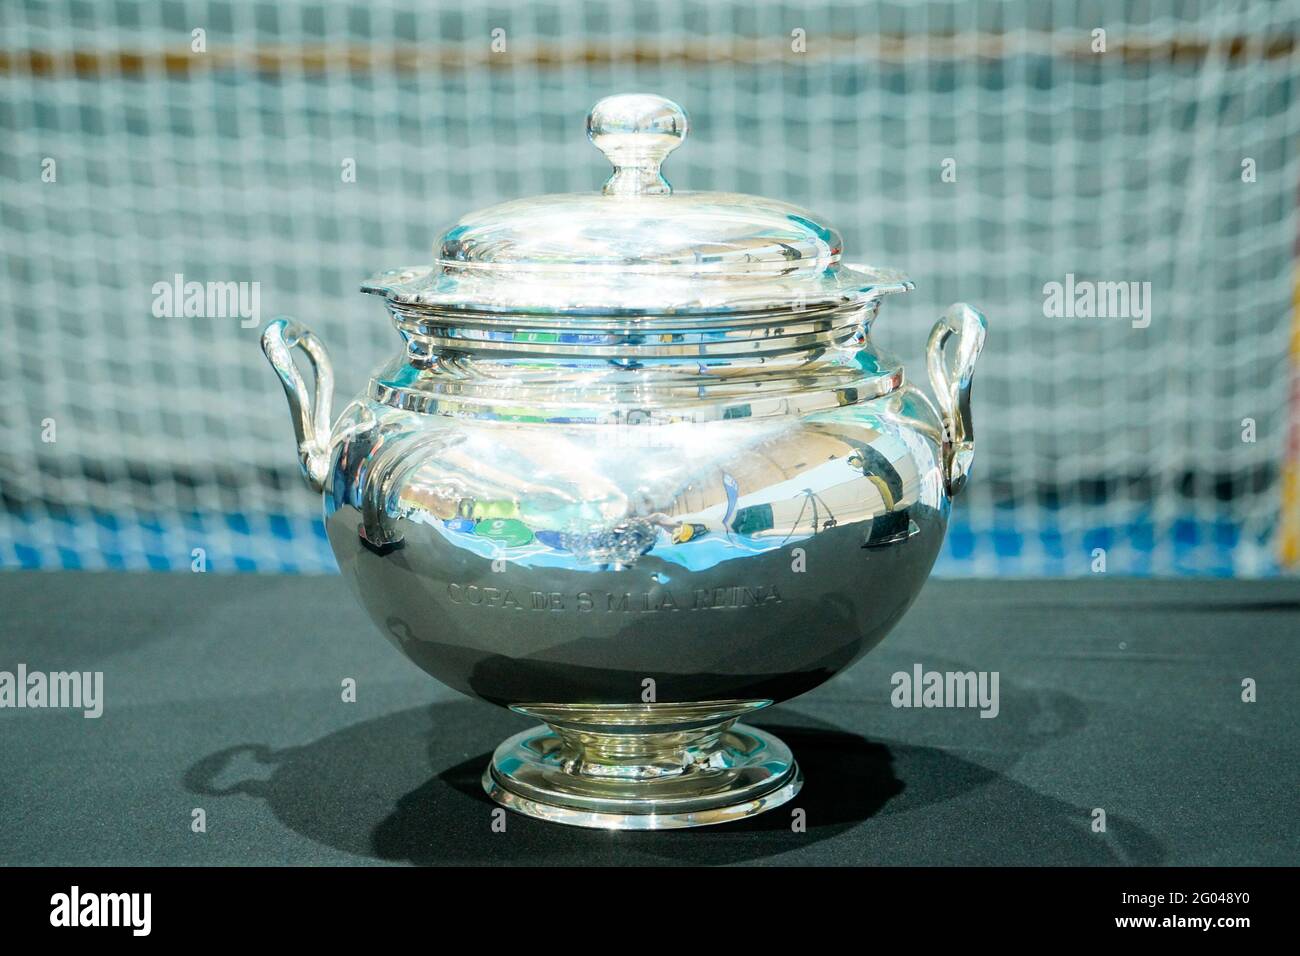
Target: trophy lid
pixel 639 247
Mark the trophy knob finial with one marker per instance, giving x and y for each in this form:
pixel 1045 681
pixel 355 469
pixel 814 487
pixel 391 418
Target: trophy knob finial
pixel 636 132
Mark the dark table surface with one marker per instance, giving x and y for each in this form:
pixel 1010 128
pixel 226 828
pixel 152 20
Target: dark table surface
pixel 224 693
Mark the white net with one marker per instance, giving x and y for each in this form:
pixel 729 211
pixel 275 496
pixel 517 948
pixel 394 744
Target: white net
pixel 987 148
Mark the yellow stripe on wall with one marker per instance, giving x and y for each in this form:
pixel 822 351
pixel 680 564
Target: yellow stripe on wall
pixel 1289 536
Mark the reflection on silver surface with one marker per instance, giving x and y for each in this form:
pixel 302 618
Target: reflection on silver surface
pixel 638 526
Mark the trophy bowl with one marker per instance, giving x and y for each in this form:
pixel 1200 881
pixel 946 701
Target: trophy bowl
pixel 638 472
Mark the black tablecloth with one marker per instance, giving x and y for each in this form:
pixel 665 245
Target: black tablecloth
pixel 225 693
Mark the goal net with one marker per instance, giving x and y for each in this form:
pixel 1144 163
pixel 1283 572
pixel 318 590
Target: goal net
pixel 1113 183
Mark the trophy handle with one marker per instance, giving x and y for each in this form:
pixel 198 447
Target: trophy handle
pixel 311 419
pixel 952 388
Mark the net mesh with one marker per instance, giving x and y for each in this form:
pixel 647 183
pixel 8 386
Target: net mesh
pixel 989 149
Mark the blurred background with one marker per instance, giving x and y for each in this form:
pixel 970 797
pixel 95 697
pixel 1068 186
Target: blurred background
pixel 987 148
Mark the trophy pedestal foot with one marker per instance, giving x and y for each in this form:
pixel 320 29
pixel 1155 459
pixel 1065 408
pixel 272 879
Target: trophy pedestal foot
pixel 646 767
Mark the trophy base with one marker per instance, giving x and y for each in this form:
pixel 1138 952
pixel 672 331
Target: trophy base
pixel 642 767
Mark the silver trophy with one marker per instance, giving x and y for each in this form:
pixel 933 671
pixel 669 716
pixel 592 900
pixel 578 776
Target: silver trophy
pixel 638 472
